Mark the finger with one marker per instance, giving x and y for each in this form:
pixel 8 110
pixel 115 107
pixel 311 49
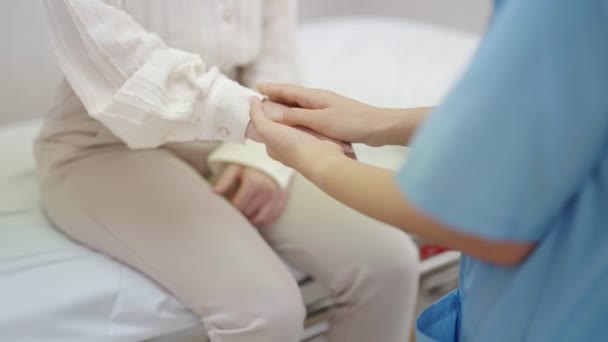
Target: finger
pixel 265 215
pixel 315 122
pixel 349 149
pixel 274 110
pixel 228 178
pixel 252 133
pixel 255 205
pixel 256 112
pixel 346 147
pixel 243 197
pixel 273 211
pixel 294 95
pixel 311 118
pixel 352 154
pixel 263 125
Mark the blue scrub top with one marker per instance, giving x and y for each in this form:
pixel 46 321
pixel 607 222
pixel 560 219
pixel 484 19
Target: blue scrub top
pixel 518 151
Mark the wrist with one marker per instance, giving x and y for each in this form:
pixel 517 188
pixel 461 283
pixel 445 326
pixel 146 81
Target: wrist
pixel 316 164
pixel 395 126
pixel 384 122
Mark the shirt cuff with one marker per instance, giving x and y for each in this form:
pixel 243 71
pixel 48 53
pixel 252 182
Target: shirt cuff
pixel 254 155
pixel 228 112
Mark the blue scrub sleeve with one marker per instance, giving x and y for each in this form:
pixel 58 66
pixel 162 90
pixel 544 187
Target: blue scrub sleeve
pixel 523 129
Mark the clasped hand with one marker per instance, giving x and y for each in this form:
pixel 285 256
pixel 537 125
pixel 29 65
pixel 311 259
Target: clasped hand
pixel 253 192
pixel 302 126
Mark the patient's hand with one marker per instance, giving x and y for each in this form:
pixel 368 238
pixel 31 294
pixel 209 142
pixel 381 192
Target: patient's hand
pixel 253 193
pixel 273 111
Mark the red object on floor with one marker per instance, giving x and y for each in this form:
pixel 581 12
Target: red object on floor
pixel 427 251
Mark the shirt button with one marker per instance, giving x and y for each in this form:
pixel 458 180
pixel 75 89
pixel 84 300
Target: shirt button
pixel 223 132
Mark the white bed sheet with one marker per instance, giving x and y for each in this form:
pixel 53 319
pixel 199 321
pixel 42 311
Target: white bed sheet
pixel 53 289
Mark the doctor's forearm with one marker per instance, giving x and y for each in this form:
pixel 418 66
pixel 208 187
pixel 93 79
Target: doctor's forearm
pixel 374 192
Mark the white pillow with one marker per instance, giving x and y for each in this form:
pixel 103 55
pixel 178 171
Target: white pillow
pixel 384 61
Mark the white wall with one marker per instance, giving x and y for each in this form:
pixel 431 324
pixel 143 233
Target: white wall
pixel 28 70
pixel 469 15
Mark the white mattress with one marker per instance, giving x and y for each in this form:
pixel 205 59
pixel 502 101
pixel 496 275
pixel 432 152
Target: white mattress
pixel 53 289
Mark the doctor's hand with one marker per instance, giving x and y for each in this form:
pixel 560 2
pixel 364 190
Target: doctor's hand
pixel 253 193
pixel 271 109
pixel 293 147
pixel 275 111
pixel 342 118
pixel 323 111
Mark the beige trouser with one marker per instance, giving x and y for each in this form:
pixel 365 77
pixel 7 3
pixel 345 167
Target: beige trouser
pixel 154 211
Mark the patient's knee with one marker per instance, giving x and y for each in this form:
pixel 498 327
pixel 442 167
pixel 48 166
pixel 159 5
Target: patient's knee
pixel 268 314
pixel 283 318
pixel 396 266
pixel 381 274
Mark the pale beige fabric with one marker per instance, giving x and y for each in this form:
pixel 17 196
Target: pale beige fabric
pixel 158 71
pixel 162 218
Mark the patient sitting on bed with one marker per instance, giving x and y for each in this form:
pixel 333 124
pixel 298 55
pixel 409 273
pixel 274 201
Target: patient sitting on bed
pixel 126 167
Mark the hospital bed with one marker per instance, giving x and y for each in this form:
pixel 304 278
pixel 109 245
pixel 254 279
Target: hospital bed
pixel 53 289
